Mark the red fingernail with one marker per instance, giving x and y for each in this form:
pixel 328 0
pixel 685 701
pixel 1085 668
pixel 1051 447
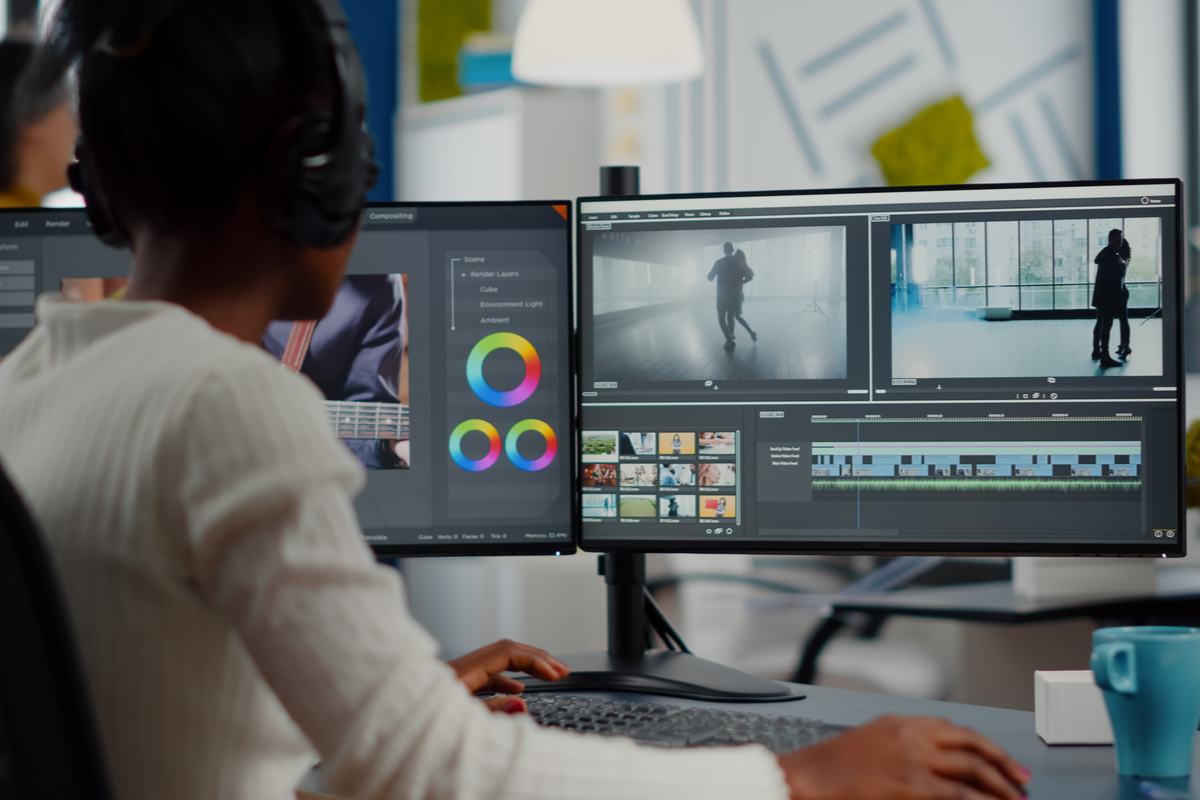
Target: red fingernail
pixel 1026 774
pixel 515 706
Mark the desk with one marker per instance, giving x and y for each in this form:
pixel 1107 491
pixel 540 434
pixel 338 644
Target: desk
pixel 1059 773
pixel 1178 593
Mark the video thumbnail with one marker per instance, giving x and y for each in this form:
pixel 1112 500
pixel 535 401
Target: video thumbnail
pixel 677 444
pixel 717 474
pixel 713 444
pixel 637 444
pixel 599 505
pixel 720 506
pixel 676 475
pixel 1027 298
pixel 599 475
pixel 598 446
pixel 634 475
pixel 733 304
pixel 638 505
pixel 677 505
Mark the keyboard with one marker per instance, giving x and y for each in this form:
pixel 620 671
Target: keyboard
pixel 674 726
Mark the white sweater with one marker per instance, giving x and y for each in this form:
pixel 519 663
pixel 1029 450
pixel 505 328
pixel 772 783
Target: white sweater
pixel 230 618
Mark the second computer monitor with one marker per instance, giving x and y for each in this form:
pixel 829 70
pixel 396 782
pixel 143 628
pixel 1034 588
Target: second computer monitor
pixel 953 369
pixel 444 362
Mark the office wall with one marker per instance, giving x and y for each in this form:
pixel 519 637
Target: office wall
pixel 797 90
pixel 1153 88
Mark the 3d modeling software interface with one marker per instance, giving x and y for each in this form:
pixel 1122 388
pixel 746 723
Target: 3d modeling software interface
pixel 443 360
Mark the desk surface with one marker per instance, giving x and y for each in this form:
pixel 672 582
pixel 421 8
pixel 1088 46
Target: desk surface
pixel 1059 773
pixel 996 602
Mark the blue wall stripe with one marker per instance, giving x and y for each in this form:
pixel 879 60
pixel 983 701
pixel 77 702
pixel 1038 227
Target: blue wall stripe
pixel 672 136
pixel 1107 58
pixel 1031 158
pixel 853 43
pixel 1027 79
pixel 696 115
pixel 939 32
pixel 696 133
pixel 789 106
pixel 1060 137
pixel 720 76
pixel 375 26
pixel 869 85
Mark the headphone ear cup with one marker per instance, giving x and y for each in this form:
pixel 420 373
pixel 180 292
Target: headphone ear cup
pixel 104 223
pixel 300 184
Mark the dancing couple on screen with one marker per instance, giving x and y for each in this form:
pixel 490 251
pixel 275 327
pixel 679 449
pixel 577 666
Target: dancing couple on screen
pixel 732 273
pixel 1110 298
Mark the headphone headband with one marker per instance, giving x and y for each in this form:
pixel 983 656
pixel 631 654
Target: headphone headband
pixel 327 160
pixel 321 167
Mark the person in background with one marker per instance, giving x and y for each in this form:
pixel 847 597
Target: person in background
pixel 38 129
pixel 747 276
pixel 1109 297
pixel 728 272
pixel 1123 349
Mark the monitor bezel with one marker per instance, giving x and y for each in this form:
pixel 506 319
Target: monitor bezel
pixel 749 546
pixel 516 548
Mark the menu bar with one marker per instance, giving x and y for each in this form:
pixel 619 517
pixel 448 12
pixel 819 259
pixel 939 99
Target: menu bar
pixel 1145 194
pixel 44 222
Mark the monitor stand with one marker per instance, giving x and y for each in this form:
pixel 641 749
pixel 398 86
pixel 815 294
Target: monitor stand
pixel 629 666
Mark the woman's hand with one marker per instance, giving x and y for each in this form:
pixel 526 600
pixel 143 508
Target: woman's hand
pixel 480 671
pixel 905 758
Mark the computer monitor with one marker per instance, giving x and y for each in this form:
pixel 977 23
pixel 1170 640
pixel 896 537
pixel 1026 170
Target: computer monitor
pixel 444 360
pixel 916 370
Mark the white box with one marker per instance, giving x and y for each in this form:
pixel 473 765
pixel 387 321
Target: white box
pixel 1045 578
pixel 1069 708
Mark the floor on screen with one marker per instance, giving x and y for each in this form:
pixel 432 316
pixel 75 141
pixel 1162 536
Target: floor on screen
pixel 795 342
pixel 923 348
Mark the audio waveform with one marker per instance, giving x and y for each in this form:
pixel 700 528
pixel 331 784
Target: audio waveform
pixel 964 485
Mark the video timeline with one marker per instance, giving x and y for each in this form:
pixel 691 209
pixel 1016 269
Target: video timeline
pixel 975 467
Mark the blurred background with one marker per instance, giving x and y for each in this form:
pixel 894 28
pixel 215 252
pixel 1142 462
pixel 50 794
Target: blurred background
pixel 794 94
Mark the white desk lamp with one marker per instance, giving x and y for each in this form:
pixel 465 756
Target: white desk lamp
pixel 592 43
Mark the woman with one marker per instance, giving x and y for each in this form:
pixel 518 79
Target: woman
pixel 676 445
pixel 721 507
pixel 230 618
pixel 37 129
pixel 1110 298
pixel 747 276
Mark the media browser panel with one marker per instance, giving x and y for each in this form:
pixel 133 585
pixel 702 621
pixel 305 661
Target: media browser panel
pixel 952 369
pixel 443 360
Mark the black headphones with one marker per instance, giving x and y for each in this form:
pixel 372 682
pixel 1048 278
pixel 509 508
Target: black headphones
pixel 321 165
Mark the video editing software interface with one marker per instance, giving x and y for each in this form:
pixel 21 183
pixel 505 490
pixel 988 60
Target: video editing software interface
pixel 883 370
pixel 443 360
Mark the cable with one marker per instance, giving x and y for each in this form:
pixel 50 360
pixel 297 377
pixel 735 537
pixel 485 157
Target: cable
pixel 661 624
pixel 654 626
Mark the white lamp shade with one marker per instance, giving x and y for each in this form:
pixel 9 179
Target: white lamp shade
pixel 607 43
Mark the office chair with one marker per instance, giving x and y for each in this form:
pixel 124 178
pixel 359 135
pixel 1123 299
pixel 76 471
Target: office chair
pixel 48 743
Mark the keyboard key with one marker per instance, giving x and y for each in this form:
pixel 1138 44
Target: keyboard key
pixel 664 725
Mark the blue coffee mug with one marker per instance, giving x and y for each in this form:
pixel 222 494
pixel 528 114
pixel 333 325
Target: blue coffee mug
pixel 1151 682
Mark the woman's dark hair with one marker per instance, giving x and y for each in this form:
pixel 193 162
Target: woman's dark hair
pixel 181 100
pixel 24 100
